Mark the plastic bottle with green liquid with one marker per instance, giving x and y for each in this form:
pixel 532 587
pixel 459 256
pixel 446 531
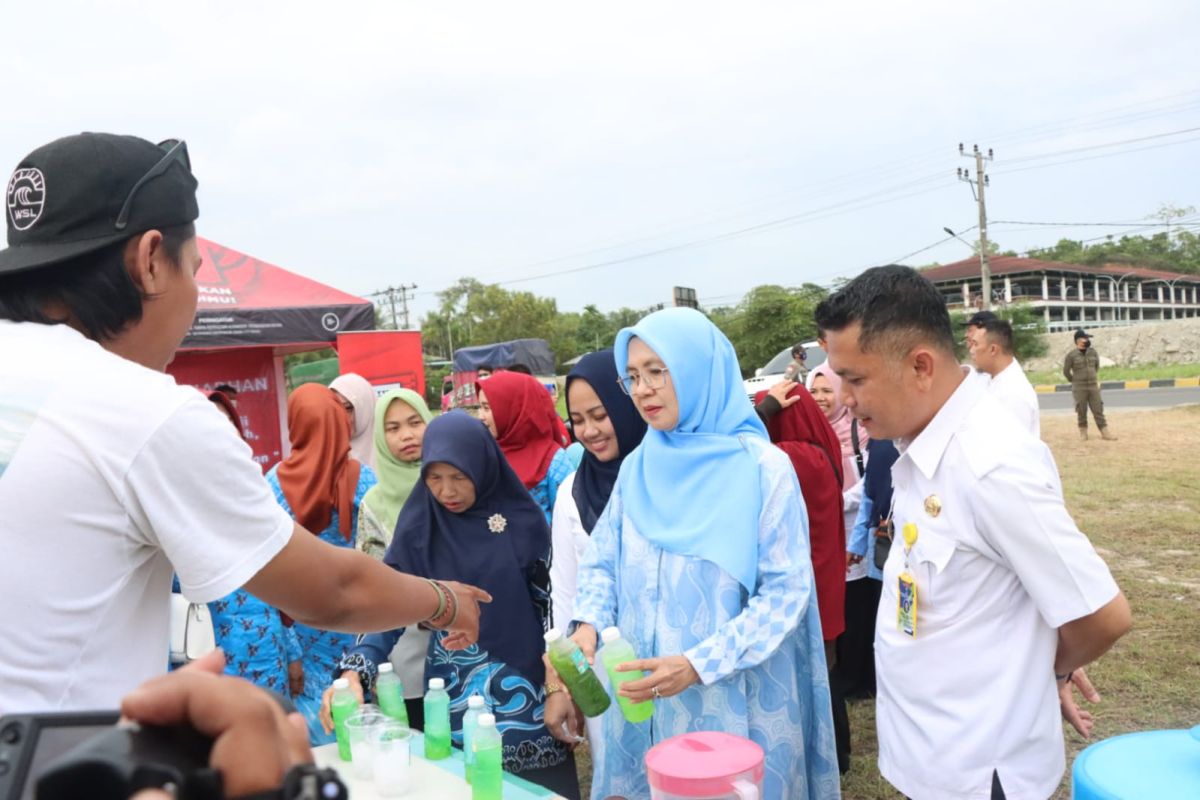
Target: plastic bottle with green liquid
pixel 341 706
pixel 389 691
pixel 488 778
pixel 617 651
pixel 475 710
pixel 437 721
pixel 571 665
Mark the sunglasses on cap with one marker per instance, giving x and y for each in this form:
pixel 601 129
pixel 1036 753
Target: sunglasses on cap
pixel 176 151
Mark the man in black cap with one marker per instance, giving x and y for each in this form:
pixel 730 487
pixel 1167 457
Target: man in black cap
pixel 112 476
pixel 1082 369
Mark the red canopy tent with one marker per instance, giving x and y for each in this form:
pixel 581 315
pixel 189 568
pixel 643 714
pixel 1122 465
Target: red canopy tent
pixel 250 315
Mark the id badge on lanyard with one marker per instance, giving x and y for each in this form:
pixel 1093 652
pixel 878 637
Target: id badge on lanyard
pixel 906 599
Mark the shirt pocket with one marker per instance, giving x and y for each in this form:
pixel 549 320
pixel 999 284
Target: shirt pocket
pixel 931 555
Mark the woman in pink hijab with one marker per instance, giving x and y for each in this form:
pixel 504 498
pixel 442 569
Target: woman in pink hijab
pixel 826 388
pixel 357 396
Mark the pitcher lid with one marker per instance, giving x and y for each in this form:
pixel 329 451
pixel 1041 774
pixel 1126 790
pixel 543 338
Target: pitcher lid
pixel 703 764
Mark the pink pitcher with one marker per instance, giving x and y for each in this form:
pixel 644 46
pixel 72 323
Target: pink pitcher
pixel 706 765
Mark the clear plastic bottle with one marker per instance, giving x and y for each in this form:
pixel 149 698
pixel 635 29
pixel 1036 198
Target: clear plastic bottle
pixel 617 651
pixel 437 721
pixel 470 719
pixel 488 782
pixel 571 665
pixel 343 704
pixel 389 691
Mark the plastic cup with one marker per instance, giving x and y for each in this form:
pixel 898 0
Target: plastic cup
pixel 392 766
pixel 361 729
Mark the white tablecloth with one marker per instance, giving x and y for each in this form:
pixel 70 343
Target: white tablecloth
pixel 440 779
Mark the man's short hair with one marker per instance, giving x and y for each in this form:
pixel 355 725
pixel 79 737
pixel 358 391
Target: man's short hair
pixel 998 331
pixel 896 309
pixel 225 389
pixel 521 368
pixel 95 289
pixel 980 319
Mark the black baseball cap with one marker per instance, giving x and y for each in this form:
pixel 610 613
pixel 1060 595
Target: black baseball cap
pixel 1080 333
pixel 81 193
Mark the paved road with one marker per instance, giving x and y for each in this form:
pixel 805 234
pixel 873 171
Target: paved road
pixel 1126 398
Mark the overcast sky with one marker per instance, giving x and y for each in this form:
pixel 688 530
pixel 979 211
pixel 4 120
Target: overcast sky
pixel 367 144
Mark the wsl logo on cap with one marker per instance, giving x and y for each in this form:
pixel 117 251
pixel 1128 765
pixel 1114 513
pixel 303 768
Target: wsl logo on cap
pixel 26 198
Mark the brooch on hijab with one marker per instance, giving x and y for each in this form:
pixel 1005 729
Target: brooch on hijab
pixel 497 523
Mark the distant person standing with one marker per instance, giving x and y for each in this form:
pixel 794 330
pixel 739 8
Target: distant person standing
pixel 797 370
pixel 1082 368
pixel 990 342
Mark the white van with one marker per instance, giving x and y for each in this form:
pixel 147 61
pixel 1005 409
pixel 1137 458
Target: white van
pixel 772 373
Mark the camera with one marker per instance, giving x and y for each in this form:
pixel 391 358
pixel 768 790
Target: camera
pixel 87 756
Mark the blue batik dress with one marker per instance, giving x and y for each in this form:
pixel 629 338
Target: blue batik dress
pixel 545 491
pixel 320 649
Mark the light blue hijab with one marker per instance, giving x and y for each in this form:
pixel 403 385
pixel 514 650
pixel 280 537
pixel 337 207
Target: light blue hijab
pixel 695 490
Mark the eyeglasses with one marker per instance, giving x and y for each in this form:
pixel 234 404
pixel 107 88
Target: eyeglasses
pixel 176 151
pixel 655 378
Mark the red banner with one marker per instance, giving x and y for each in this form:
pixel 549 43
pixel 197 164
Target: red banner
pixel 251 371
pixel 387 359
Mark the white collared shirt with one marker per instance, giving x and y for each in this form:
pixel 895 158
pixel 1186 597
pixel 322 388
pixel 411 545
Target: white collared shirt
pixel 1015 392
pixel 999 567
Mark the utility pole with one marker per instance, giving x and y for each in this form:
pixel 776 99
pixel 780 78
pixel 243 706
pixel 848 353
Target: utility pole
pixel 390 293
pixel 978 184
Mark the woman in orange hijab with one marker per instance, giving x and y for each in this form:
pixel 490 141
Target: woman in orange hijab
pixel 321 486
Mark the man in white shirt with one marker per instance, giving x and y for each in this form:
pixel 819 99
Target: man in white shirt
pixel 990 343
pixel 112 476
pixel 991 595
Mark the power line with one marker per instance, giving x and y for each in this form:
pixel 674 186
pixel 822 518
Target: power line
pixel 1104 145
pixel 1101 155
pixel 1111 117
pixel 390 293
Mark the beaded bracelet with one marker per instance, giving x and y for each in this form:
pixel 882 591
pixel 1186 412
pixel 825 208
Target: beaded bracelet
pixel 450 606
pixel 442 600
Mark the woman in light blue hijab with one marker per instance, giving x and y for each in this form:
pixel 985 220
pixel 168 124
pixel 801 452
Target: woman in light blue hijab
pixel 702 559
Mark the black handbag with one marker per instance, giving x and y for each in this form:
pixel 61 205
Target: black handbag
pixel 883 542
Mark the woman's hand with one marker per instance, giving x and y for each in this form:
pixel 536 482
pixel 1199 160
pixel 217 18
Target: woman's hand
pixel 563 718
pixel 585 637
pixel 780 392
pixel 670 675
pixel 326 713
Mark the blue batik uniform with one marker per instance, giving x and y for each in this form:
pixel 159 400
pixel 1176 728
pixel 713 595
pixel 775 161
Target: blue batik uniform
pixel 321 649
pixel 545 491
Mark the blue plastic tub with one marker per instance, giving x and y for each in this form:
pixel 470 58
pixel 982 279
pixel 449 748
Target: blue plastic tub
pixel 1155 765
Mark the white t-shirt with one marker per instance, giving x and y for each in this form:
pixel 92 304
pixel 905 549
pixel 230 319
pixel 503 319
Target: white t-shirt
pixel 999 566
pixel 111 477
pixel 1016 393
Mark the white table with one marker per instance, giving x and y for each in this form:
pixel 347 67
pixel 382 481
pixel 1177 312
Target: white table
pixel 441 779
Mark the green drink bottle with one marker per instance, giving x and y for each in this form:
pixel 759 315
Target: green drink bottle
pixel 617 651
pixel 488 782
pixel 571 665
pixel 342 705
pixel 437 721
pixel 389 691
pixel 470 721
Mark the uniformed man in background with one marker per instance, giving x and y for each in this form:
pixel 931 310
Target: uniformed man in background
pixel 1081 368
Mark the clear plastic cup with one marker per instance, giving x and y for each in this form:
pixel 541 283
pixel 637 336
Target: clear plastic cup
pixel 392 765
pixel 361 729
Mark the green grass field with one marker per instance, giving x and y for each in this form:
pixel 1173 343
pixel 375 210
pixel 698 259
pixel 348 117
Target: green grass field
pixel 1146 372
